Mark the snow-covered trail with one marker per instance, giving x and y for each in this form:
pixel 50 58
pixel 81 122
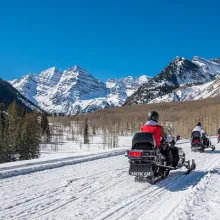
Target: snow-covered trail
pixel 102 189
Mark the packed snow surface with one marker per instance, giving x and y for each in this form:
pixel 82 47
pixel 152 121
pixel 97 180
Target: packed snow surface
pixel 102 189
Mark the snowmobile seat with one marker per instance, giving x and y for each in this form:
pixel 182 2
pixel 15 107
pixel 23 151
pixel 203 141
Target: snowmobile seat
pixel 196 134
pixel 143 141
pixel 196 137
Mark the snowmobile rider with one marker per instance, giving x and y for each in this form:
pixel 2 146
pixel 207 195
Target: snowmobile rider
pixel 198 128
pixel 219 130
pixel 152 126
pixel 202 133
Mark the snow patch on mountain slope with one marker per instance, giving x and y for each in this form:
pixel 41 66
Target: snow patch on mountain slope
pixel 208 66
pixel 216 60
pixel 196 92
pixel 27 86
pixel 126 86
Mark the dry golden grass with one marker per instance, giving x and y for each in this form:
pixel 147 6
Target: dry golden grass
pixel 181 116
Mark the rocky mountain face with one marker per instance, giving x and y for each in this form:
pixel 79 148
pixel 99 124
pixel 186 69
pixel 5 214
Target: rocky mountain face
pixel 127 85
pixel 209 66
pixel 75 91
pixel 180 72
pixel 194 92
pixel 216 60
pixel 8 94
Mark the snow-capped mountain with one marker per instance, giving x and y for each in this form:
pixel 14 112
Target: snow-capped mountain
pixel 63 92
pixel 178 73
pixel 75 90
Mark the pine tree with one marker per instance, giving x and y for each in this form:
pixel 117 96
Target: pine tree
pixel 30 137
pixel 45 127
pixel 86 132
pixel 12 130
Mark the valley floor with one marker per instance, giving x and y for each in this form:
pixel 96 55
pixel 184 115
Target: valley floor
pixel 102 189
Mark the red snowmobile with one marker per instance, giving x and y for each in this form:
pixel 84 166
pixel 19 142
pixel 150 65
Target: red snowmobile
pixel 148 163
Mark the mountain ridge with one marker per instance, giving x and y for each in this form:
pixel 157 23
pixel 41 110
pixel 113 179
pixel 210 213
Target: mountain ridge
pixel 177 73
pixel 75 90
pixel 8 94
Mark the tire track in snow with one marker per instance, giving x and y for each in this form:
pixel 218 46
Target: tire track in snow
pixel 97 192
pixel 202 201
pixel 87 182
pixel 45 195
pixel 176 198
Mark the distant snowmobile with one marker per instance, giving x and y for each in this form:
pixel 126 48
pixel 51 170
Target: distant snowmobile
pixel 218 138
pixel 147 162
pixel 199 143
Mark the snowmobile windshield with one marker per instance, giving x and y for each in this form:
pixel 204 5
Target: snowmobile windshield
pixel 169 131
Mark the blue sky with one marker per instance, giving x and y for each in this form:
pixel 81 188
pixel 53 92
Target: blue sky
pixel 109 38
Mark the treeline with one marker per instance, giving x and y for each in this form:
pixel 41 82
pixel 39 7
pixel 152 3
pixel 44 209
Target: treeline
pixel 20 133
pixel 181 116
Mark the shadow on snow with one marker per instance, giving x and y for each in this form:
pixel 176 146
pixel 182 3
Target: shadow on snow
pixel 179 181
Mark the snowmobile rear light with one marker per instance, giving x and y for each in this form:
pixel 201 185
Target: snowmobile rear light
pixel 195 141
pixel 135 154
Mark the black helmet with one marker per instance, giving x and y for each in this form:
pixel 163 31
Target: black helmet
pixel 154 116
pixel 199 124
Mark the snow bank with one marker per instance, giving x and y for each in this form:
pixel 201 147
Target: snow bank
pixel 14 169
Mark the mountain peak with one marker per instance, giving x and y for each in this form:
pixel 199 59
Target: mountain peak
pixel 29 76
pixel 51 69
pixel 76 68
pixel 178 58
pixel 50 72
